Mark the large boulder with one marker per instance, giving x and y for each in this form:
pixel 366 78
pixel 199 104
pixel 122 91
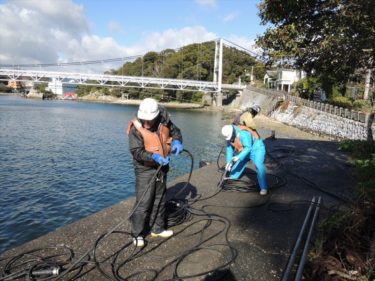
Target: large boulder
pixel 34 94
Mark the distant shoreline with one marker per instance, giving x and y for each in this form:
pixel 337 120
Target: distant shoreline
pixel 111 99
pixel 175 105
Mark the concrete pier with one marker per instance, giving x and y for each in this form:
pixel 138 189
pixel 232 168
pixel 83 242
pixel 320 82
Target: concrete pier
pixel 229 235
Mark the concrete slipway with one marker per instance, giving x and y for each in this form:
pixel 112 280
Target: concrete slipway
pixel 230 236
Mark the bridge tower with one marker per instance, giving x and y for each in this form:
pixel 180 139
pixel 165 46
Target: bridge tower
pixel 218 71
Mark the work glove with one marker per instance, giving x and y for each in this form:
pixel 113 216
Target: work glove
pixel 162 161
pixel 228 166
pixel 176 147
pixel 235 159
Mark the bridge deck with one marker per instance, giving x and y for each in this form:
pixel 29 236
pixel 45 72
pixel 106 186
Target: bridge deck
pixel 75 78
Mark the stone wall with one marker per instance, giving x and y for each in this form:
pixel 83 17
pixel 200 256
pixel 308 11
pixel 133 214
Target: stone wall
pixel 267 102
pixel 308 115
pixel 320 122
pixel 34 94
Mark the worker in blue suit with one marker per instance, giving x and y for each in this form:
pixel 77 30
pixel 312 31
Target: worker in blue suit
pixel 244 144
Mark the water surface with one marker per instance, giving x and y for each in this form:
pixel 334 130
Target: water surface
pixel 64 160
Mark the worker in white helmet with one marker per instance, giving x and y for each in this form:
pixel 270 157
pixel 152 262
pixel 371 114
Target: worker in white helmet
pixel 152 138
pixel 242 145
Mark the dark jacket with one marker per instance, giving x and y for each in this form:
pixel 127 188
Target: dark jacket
pixel 136 144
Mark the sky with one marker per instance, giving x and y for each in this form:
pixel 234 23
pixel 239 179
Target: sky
pixel 50 31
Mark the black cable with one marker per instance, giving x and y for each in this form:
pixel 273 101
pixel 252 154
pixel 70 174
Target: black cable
pixel 285 152
pixel 209 219
pixel 241 185
pixel 115 255
pixel 177 212
pixel 37 265
pixel 190 172
pixel 114 228
pixel 179 217
pixel 315 186
pixel 289 206
pixel 72 63
pixel 218 159
pixel 177 209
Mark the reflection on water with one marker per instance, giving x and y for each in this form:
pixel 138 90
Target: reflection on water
pixel 63 160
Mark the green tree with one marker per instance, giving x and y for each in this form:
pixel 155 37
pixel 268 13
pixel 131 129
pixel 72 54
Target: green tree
pixel 331 37
pixel 307 86
pixel 195 62
pixel 5 89
pixel 41 87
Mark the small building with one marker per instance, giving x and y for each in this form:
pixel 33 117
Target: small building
pixel 70 96
pixel 282 79
pixel 59 88
pixel 15 84
pixel 56 87
pixel 270 79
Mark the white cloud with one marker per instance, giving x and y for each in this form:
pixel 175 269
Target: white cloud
pixel 40 31
pixel 175 38
pixel 36 31
pixel 230 17
pixel 114 27
pixel 246 43
pixel 208 3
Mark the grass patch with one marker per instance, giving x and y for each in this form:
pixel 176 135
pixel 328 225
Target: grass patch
pixel 344 244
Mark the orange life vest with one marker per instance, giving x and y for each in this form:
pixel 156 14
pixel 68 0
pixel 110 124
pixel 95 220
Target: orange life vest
pixel 155 142
pixel 237 142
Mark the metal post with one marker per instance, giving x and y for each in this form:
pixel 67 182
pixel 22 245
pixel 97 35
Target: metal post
pixel 367 84
pixel 252 76
pixel 306 248
pixel 218 70
pixel 298 242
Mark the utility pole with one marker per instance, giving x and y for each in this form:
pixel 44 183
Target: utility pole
pixel 368 75
pixel 218 70
pixel 369 116
pixel 367 84
pixel 251 76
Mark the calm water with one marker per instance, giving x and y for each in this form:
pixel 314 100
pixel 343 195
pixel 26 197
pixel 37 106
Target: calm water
pixel 63 160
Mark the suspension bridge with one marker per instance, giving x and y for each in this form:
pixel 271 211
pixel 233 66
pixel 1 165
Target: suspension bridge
pixel 19 73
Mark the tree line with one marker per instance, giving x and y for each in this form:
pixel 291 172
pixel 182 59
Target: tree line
pixel 333 41
pixel 192 62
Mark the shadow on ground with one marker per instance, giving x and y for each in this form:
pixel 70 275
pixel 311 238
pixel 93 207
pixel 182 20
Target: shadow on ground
pixel 227 235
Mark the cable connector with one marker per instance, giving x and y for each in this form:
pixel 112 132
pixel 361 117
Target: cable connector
pixel 54 271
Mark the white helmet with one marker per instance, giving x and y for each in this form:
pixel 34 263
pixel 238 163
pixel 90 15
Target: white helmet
pixel 148 109
pixel 256 108
pixel 227 131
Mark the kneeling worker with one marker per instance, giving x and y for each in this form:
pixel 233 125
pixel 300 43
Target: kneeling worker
pixel 243 145
pixel 152 136
pixel 246 117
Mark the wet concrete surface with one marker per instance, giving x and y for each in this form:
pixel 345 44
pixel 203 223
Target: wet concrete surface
pixel 229 235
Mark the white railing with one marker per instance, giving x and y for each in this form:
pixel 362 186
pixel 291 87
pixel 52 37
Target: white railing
pixel 75 78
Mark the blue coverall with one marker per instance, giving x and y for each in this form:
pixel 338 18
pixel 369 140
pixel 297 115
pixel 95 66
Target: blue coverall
pixel 254 150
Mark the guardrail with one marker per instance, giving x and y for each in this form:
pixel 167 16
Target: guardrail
pixel 329 108
pixel 325 107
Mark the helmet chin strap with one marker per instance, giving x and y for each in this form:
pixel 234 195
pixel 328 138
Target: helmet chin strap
pixel 152 122
pixel 233 137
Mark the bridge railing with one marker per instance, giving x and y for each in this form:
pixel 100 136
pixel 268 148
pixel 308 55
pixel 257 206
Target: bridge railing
pixel 114 80
pixel 325 107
